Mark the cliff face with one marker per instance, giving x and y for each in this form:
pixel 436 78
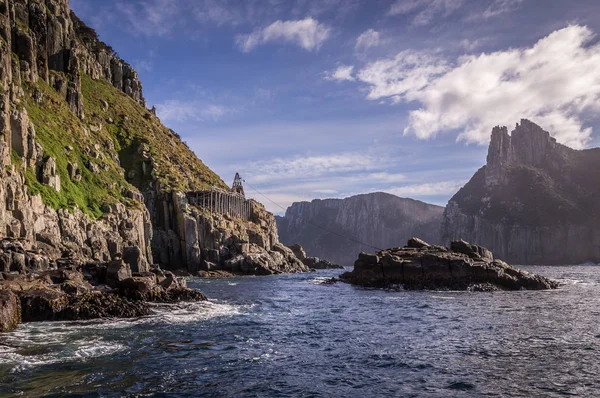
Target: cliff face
pixel 535 202
pixel 40 69
pixel 85 167
pixel 378 219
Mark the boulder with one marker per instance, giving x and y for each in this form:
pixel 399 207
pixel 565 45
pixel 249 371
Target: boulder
pixel 170 282
pixel 319 263
pixel 417 243
pixel 473 251
pixel 116 272
pixel 5 262
pixel 368 258
pixel 134 258
pixel 283 249
pixel 18 263
pixel 49 176
pixel 10 311
pixel 298 251
pixel 137 287
pixel 43 304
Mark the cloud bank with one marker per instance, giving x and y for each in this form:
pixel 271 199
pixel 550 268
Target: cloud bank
pixel 554 83
pixel 180 111
pixel 307 33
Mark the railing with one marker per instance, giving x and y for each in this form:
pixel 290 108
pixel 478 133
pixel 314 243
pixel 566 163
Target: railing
pixel 223 202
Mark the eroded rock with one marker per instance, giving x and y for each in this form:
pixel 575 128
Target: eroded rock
pixel 463 267
pixel 10 311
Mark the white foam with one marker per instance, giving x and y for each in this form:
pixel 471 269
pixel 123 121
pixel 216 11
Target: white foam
pixel 58 351
pixel 95 350
pixel 194 312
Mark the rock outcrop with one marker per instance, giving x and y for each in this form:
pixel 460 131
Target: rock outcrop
pixel 378 219
pixel 203 241
pixel 422 266
pixel 35 287
pixel 312 262
pixel 10 311
pixel 535 202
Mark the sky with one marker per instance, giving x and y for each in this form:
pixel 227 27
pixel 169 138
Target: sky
pixel 327 99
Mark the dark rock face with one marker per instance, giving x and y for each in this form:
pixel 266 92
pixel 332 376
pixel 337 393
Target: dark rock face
pixel 377 219
pixel 72 289
pixel 535 202
pixel 436 267
pixel 47 36
pixel 10 311
pixel 187 236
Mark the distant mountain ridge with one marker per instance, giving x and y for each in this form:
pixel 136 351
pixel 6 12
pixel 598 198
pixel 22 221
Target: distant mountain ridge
pixel 535 202
pixel 377 219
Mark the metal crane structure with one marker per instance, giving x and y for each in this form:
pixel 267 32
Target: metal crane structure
pixel 221 201
pixel 237 186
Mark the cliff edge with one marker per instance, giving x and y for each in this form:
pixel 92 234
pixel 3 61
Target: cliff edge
pixel 534 202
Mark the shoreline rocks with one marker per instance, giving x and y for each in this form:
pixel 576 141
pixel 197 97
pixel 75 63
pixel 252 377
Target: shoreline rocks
pixel 420 266
pixel 70 288
pixel 313 263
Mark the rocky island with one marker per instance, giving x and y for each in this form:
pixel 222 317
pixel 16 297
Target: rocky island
pixel 463 266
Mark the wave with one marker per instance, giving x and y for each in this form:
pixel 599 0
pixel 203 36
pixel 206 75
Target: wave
pixel 194 312
pixel 46 343
pixel 25 357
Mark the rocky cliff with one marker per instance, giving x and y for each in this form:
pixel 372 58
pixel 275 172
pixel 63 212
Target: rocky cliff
pixel 377 219
pixel 86 168
pixel 534 202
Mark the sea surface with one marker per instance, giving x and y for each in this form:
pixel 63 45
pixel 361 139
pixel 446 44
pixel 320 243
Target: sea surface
pixel 294 336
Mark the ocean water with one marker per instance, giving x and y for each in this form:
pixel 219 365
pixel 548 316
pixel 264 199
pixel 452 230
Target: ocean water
pixel 292 335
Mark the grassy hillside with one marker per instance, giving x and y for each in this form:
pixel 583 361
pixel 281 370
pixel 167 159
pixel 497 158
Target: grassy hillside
pixel 118 138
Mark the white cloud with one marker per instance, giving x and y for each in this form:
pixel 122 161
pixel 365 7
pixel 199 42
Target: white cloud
pixel 553 83
pixel 443 188
pixel 426 10
pixel 368 38
pixel 307 33
pixel 408 72
pixel 311 166
pixel 341 73
pixel 471 45
pixel 151 18
pixel 179 111
pixel 219 12
pixel 499 7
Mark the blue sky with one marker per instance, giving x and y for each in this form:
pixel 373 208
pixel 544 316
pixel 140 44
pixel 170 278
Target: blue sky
pixel 315 99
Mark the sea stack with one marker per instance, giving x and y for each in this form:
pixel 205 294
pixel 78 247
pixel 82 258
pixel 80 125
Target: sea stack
pixel 534 202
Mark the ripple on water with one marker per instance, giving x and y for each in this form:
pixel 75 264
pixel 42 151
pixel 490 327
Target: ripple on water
pixel 293 336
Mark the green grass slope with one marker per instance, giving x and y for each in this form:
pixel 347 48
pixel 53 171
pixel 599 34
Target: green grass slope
pixel 109 137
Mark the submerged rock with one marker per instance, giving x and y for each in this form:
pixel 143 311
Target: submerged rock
pixel 463 267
